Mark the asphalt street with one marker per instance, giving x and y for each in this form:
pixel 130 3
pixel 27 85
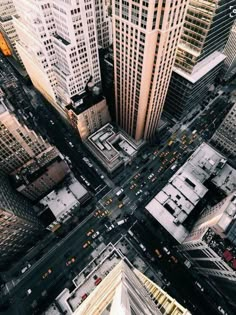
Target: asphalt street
pixel 139 182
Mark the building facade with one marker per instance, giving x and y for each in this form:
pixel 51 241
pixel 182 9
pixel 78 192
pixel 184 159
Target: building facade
pixel 18 144
pixel 230 52
pixel 39 176
pixel 144 33
pixel 87 113
pixel 187 90
pixel 19 226
pixel 113 286
pixel 7 10
pixel 206 30
pixel 103 23
pixel 58 46
pixel 211 246
pixel 224 138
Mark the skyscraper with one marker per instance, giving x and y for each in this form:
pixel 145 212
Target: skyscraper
pixel 224 139
pixel 19 226
pixel 145 38
pixel 128 291
pixel 7 10
pixel 230 52
pixel 58 46
pixel 103 23
pixel 18 144
pixel 198 61
pixel 211 246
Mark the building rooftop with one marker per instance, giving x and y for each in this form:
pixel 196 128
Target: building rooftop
pixel 220 221
pixel 61 201
pixel 108 283
pixel 226 179
pixel 174 203
pixel 221 247
pixel 82 102
pixel 112 148
pixel 166 219
pixel 36 167
pixel 202 68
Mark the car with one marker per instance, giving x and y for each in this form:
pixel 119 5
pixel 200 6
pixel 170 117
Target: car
pixel 98 213
pixel 166 282
pixel 111 227
pixel 200 287
pixel 166 250
pixel 28 292
pixel 221 310
pixel 95 234
pixel 142 247
pixel 174 259
pixel 25 268
pixel 71 144
pixel 151 176
pixel 97 281
pixel 159 255
pixel 153 179
pixel 47 273
pixel 139 192
pixel 107 212
pixel 133 186
pixel 70 261
pixel 137 176
pixel 84 296
pixel 86 244
pixel 90 232
pixel 52 122
pixel 121 205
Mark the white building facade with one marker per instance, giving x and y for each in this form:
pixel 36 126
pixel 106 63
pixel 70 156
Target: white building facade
pixel 58 46
pixel 7 10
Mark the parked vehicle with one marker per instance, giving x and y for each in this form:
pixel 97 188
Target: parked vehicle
pixel 166 250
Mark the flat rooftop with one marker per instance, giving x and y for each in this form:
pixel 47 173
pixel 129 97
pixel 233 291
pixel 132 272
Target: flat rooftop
pixel 202 68
pixel 174 203
pixel 221 247
pixel 226 179
pixel 35 168
pixel 82 102
pixel 166 219
pixel 59 201
pixel 84 282
pixel 112 148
